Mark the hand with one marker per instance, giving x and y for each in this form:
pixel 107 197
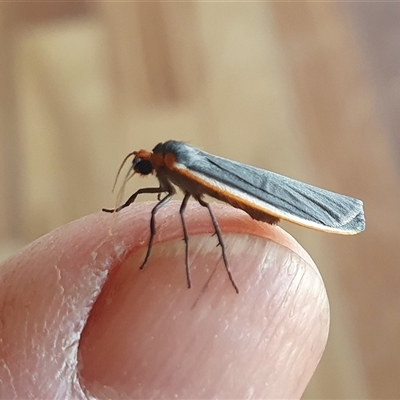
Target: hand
pixel 79 319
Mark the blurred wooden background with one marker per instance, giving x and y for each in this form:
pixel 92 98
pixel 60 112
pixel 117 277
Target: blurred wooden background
pixel 310 90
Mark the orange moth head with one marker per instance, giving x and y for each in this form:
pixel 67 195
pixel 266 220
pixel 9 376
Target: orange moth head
pixel 141 163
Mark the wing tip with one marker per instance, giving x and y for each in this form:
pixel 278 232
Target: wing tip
pixel 357 223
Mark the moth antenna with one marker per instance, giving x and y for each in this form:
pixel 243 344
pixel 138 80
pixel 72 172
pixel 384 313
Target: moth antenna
pixel 120 169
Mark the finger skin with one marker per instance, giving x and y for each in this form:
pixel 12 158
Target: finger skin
pixel 78 318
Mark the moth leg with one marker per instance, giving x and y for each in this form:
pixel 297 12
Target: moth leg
pixel 220 241
pixel 131 199
pixel 185 237
pixel 161 203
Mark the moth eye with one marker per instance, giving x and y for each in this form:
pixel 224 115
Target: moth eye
pixel 142 167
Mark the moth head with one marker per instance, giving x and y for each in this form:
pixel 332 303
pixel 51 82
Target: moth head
pixel 141 163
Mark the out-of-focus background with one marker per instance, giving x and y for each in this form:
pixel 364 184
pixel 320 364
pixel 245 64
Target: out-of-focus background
pixel 310 90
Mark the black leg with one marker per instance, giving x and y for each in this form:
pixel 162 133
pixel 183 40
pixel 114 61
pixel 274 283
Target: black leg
pixel 162 202
pixel 185 237
pixel 220 241
pixel 133 198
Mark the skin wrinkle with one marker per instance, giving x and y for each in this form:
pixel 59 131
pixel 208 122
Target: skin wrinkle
pixel 11 378
pixel 315 293
pixel 290 298
pixel 58 283
pixel 278 301
pixel 69 366
pixel 284 298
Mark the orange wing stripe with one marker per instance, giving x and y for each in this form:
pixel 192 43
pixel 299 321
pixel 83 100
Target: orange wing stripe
pixel 254 210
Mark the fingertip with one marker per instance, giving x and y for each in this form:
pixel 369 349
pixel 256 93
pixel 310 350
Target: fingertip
pixel 147 334
pixel 148 323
